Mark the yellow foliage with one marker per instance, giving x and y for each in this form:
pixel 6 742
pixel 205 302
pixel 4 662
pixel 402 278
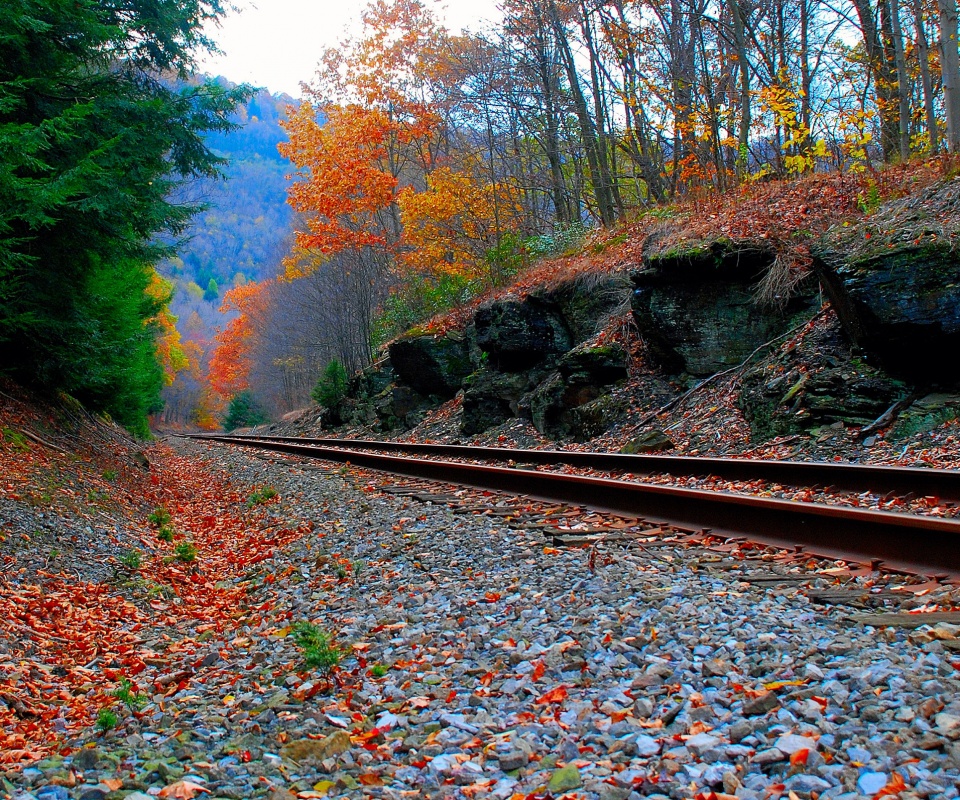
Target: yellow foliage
pixel 167 344
pixel 450 226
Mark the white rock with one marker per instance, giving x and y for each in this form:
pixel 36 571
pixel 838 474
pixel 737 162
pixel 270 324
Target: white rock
pixel 647 746
pixel 947 722
pixel 443 764
pixel 387 721
pixel 813 671
pixel 459 721
pixel 869 783
pixel 790 743
pixel 700 743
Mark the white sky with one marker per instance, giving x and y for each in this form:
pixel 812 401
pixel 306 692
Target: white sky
pixel 277 43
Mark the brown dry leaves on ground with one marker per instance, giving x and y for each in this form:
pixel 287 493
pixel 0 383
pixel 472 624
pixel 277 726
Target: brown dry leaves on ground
pixel 68 638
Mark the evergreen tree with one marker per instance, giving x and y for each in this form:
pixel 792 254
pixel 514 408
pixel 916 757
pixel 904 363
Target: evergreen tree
pixel 244 412
pixel 95 133
pixel 212 292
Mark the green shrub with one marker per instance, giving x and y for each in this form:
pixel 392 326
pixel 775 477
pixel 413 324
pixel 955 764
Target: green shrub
pixel 261 496
pixel 106 720
pixel 244 412
pixel 159 517
pixel 132 559
pixel 318 653
pixel 125 694
pixel 331 387
pixel 417 301
pixel 185 551
pixel 166 533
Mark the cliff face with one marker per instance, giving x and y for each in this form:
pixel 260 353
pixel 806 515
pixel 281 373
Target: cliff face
pixel 555 356
pixel 894 281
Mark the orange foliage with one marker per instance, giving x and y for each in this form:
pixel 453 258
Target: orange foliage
pixel 371 125
pixel 347 176
pixel 232 360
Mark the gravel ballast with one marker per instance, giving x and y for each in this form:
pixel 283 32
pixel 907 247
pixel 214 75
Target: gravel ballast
pixel 479 663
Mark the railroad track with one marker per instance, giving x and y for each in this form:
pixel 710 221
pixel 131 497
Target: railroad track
pixel 882 480
pixel 919 544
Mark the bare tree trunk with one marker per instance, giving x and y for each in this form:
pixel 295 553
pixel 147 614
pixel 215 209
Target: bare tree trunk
pixel 588 130
pixel 902 80
pixel 806 81
pixel 743 66
pixel 877 40
pixel 950 66
pixel 563 208
pixel 923 56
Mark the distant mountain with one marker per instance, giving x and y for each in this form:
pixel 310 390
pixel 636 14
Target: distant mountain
pixel 246 229
pixel 243 235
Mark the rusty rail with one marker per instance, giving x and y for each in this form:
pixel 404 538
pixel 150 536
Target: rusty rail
pixel 943 484
pixel 925 545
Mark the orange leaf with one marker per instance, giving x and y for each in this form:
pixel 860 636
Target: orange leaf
pixel 538 671
pixel 800 757
pixel 557 695
pixel 182 790
pixel 370 779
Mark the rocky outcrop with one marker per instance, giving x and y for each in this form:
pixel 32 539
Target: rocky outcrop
pixel 371 381
pixel 399 408
pixel 894 280
pixel 696 311
pixel 491 398
pixel 558 405
pixel 542 332
pixel 432 365
pixel 926 413
pixel 650 441
pixel 824 385
pixel 519 334
pixel 588 301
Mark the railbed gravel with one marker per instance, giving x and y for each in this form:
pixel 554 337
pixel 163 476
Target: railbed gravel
pixel 516 669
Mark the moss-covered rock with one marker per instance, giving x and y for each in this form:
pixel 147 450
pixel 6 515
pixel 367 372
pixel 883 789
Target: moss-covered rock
pixel 490 398
pixel 519 334
pixel 371 381
pixel 432 365
pixel 649 441
pixel 695 306
pixel 400 408
pixel 822 384
pixel 584 374
pixel 894 279
pixel 925 414
pixel 586 302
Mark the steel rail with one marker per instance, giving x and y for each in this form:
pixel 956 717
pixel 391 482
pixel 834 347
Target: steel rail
pixel 926 545
pixel 882 480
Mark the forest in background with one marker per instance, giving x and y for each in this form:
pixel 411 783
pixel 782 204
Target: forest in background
pixel 428 168
pixel 241 235
pixel 431 166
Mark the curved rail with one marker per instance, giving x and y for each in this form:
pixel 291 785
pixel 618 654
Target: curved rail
pixel 879 479
pixel 927 545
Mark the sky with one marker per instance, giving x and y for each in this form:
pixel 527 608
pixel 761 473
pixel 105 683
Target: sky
pixel 277 43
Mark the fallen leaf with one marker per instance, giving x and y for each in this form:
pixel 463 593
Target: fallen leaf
pixel 557 695
pixel 182 790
